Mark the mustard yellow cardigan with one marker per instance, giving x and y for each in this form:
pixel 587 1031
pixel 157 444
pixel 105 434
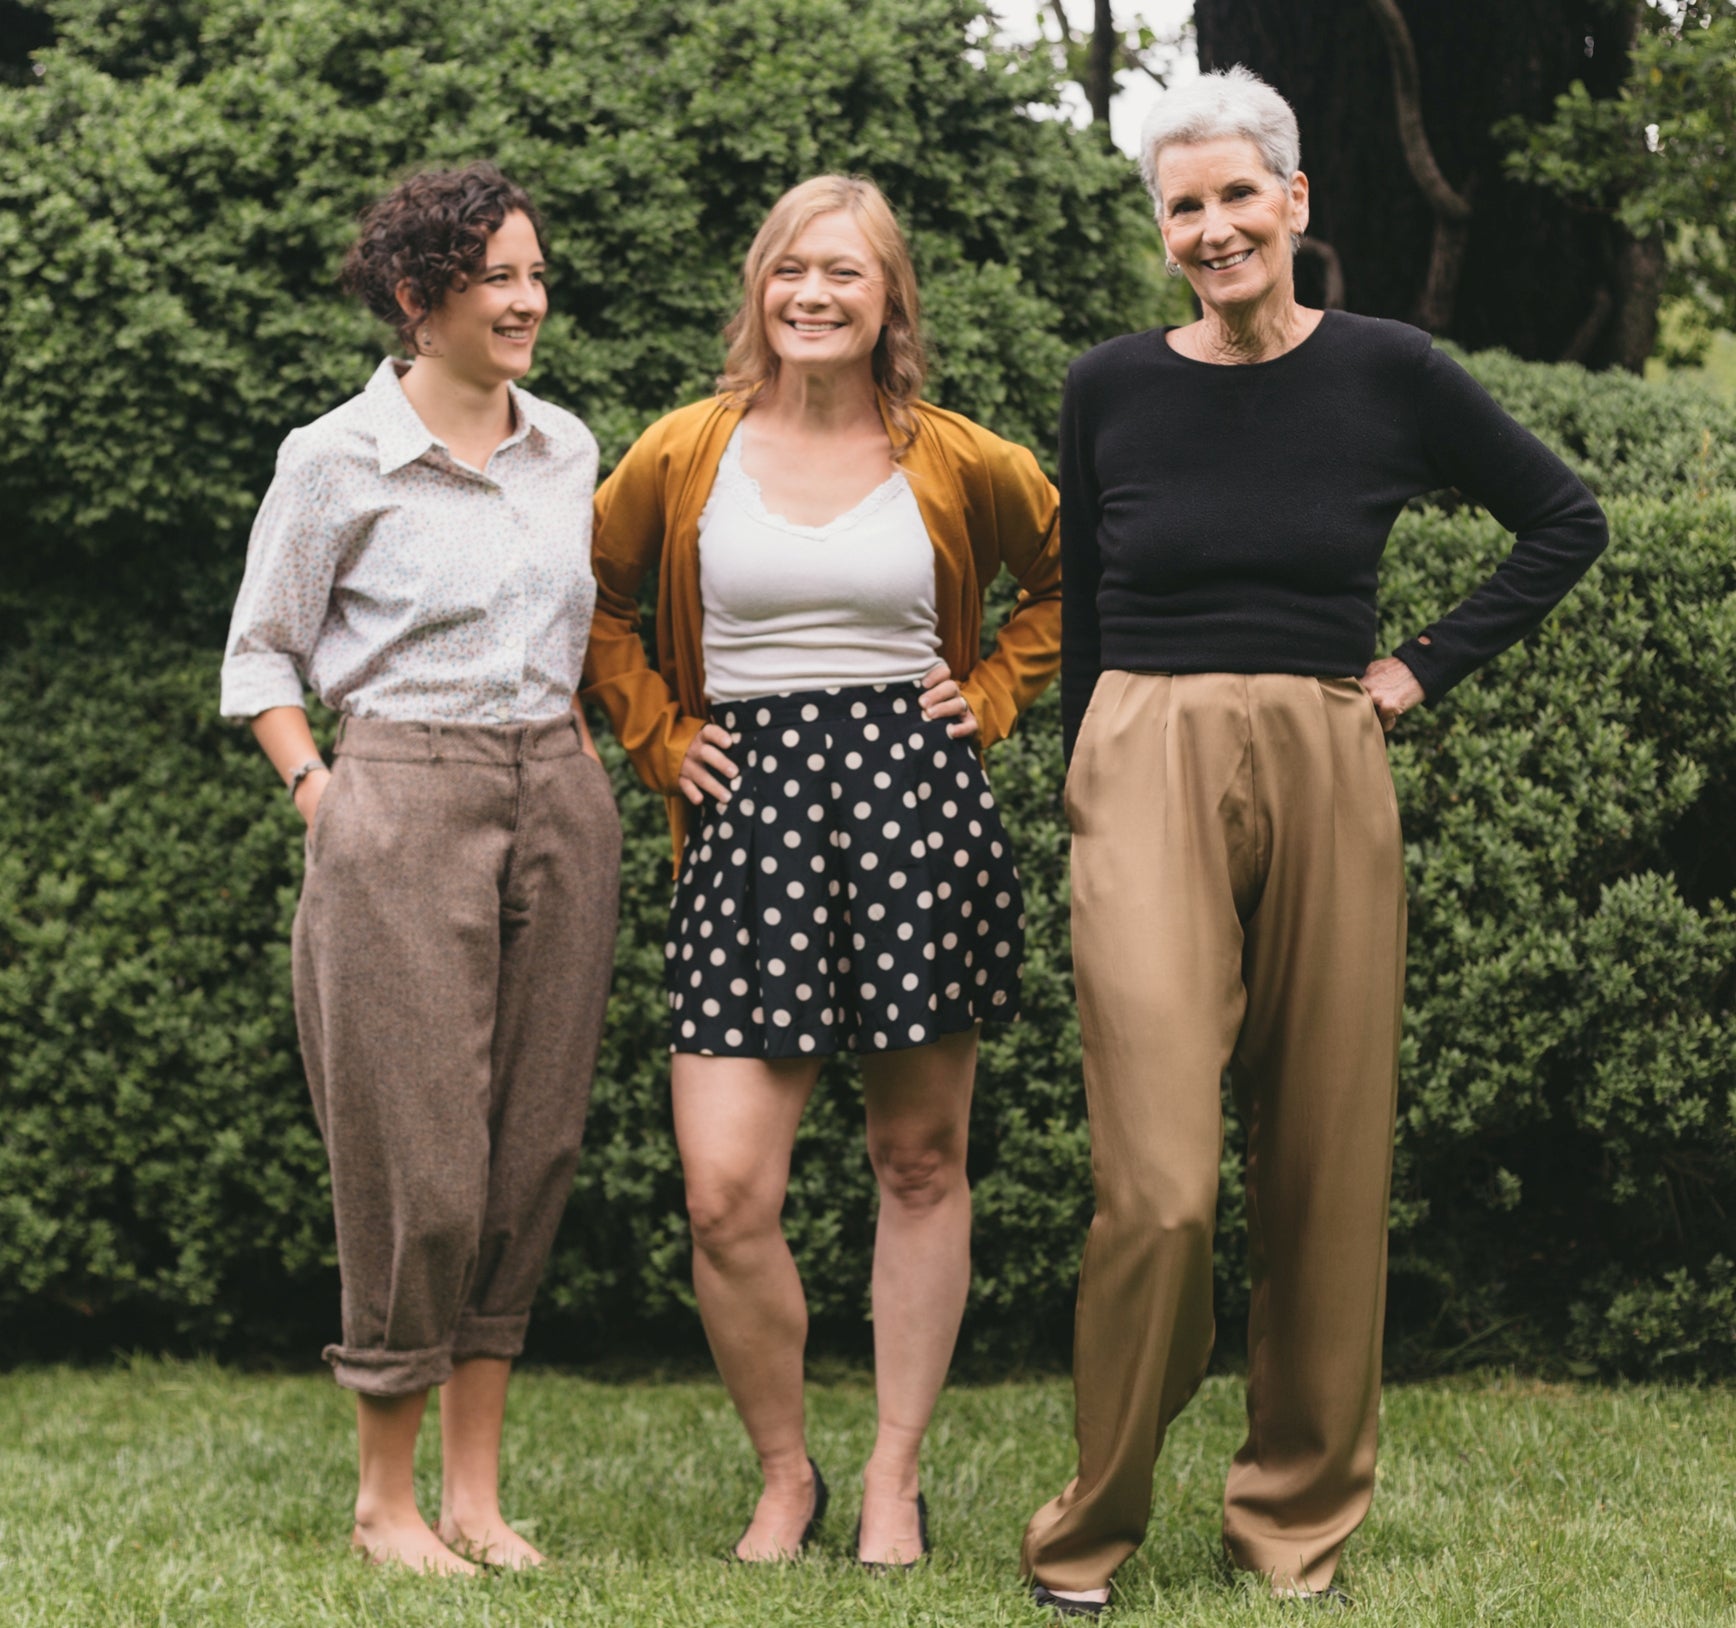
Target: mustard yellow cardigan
pixel 985 502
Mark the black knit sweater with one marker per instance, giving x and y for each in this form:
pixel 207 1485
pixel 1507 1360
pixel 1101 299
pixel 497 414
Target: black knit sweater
pixel 1231 519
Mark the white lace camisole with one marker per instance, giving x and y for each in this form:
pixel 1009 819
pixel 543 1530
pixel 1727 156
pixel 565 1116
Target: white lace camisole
pixel 791 607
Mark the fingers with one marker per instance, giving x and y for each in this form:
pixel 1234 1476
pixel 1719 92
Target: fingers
pixel 945 700
pixel 939 673
pixel 707 766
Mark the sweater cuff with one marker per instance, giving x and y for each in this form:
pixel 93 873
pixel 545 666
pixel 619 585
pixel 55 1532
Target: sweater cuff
pixel 1431 669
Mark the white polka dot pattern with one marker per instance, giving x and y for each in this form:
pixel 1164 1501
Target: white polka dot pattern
pixel 401 584
pixel 844 922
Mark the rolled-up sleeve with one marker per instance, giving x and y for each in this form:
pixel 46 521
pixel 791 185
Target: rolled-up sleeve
pixel 299 535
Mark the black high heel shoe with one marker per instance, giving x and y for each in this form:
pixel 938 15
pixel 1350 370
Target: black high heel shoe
pixel 821 1498
pixel 899 1565
pixel 1063 1607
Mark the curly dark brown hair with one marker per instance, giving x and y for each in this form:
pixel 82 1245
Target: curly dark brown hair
pixel 430 231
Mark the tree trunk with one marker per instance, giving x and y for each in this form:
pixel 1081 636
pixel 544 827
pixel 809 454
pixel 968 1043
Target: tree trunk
pixel 1529 267
pixel 1640 268
pixel 1100 63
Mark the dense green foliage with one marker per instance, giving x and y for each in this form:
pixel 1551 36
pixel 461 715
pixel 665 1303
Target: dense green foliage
pixel 1567 1154
pixel 173 204
pixel 1500 1500
pixel 177 192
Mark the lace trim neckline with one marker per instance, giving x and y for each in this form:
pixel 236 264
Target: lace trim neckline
pixel 733 476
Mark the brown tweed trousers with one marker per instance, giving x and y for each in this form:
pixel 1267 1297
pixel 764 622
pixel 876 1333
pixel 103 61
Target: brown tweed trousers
pixel 452 952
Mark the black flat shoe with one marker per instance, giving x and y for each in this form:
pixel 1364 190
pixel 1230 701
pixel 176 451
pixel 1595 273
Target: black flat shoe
pixel 1330 1598
pixel 821 1498
pixel 899 1565
pixel 1063 1607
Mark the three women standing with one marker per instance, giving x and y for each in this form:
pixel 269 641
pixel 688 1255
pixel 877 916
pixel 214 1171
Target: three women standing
pixel 824 539
pixel 422 561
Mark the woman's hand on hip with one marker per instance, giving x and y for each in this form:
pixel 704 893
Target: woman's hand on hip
pixel 706 760
pixel 1393 689
pixel 942 698
pixel 309 792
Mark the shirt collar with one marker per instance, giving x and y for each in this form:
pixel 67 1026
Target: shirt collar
pixel 402 437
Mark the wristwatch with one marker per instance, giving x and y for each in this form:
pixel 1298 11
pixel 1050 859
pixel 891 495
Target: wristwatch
pixel 302 773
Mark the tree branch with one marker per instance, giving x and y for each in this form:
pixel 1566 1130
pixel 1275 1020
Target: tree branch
pixel 1407 93
pixel 1060 14
pixel 1332 271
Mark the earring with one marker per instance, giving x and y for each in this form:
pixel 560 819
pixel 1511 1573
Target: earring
pixel 424 340
pixel 1295 242
pixel 1173 267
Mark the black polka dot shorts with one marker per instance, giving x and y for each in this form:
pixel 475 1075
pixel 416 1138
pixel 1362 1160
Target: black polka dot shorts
pixel 856 893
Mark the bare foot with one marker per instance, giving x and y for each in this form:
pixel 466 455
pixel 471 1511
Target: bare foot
pixel 407 1543
pixel 780 1517
pixel 891 1534
pixel 492 1542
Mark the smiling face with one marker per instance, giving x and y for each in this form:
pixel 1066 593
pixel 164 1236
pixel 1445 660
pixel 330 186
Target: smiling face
pixel 485 333
pixel 1227 221
pixel 824 297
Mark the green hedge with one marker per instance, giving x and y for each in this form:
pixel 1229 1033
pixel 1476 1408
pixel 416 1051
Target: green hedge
pixel 1566 1183
pixel 177 191
pixel 174 195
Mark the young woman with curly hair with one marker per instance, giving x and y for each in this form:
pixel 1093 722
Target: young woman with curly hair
pixel 824 539
pixel 422 562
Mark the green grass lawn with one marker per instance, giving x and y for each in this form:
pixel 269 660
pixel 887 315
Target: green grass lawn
pixel 159 1493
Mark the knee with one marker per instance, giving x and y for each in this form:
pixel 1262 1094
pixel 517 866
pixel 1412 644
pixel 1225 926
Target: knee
pixel 1164 1217
pixel 918 1176
pixel 724 1214
pixel 443 1230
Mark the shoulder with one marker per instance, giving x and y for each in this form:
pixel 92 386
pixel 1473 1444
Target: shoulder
pixel 334 443
pixel 670 443
pixel 687 424
pixel 1116 360
pixel 1375 341
pixel 964 443
pixel 567 430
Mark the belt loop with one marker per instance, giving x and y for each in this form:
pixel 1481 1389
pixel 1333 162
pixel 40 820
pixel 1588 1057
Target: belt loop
pixel 338 738
pixel 434 742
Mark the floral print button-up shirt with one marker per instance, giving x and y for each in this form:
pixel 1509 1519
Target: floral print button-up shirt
pixel 400 583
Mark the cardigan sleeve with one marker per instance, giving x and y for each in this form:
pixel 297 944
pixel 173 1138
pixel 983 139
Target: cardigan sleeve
pixel 1024 513
pixel 627 543
pixel 1559 528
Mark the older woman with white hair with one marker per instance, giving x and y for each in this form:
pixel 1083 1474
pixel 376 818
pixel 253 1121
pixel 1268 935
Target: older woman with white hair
pixel 1227 488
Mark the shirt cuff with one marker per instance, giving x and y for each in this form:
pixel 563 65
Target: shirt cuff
pixel 257 682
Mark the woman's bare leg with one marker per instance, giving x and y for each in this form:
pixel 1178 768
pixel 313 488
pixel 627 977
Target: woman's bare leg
pixel 472 1413
pixel 918 1131
pixel 735 1124
pixel 389 1527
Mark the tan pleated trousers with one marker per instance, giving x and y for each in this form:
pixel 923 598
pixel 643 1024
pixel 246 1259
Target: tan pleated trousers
pixel 1238 901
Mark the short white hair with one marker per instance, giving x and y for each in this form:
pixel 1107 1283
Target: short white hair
pixel 1231 102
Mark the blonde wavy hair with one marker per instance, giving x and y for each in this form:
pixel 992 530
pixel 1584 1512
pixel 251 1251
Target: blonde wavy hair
pixel 899 362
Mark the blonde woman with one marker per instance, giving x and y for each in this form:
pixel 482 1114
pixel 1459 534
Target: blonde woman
pixel 824 538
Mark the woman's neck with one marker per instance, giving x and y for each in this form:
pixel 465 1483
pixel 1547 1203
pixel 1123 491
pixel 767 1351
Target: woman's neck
pixel 1254 333
pixel 822 403
pixel 471 418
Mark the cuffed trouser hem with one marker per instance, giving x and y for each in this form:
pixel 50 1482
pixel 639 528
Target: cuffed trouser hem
pixel 498 1337
pixel 374 1372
